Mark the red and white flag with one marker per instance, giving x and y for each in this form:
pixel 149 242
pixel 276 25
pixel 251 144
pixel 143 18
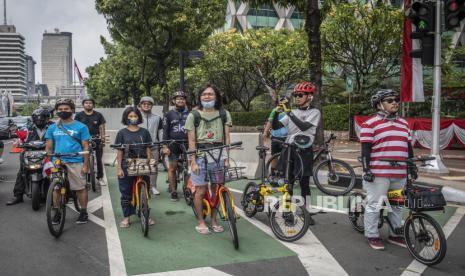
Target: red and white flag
pixel 78 72
pixel 412 69
pixel 47 168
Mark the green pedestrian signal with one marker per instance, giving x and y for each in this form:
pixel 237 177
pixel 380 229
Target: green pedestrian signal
pixel 422 25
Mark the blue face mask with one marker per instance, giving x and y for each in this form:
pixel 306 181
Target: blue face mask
pixel 133 122
pixel 209 104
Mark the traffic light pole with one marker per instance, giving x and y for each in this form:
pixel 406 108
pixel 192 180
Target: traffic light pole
pixel 437 166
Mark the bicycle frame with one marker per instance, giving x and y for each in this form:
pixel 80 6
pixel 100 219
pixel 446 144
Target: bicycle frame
pixel 135 191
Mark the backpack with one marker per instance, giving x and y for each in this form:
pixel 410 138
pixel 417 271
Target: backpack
pixel 198 117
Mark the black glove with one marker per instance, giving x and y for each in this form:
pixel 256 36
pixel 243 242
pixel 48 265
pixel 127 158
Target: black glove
pixel 368 176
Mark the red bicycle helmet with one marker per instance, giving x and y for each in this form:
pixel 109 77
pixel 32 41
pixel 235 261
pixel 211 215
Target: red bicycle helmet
pixel 306 87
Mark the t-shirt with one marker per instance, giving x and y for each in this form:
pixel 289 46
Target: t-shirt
pixel 92 121
pixel 280 132
pixel 63 143
pixel 173 125
pixel 211 131
pixel 125 136
pixel 389 139
pixel 311 115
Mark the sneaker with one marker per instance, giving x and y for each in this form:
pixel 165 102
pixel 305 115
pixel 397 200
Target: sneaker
pixel 376 243
pixel 400 241
pixel 56 218
pixel 155 191
pixel 102 182
pixel 82 219
pixel 1 161
pixel 174 196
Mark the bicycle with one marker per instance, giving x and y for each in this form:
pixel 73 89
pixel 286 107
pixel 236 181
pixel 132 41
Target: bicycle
pixel 424 237
pixel 182 168
pixel 140 167
pixel 94 142
pixel 59 193
pixel 223 195
pixel 329 175
pixel 295 220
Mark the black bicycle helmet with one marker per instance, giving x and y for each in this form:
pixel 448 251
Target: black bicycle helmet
pixel 87 98
pixel 68 102
pixel 178 94
pixel 380 95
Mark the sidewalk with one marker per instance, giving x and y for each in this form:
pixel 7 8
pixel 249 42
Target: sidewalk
pixel 453 159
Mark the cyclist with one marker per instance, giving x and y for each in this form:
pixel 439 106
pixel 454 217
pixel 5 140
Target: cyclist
pixel 131 134
pixel 154 124
pixel 95 121
pixel 384 135
pixel 277 131
pixel 70 136
pixel 40 122
pixel 173 128
pixel 208 126
pixel 302 123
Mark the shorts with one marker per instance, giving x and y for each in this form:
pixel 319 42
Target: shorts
pixel 199 179
pixel 77 181
pixel 276 147
pixel 175 151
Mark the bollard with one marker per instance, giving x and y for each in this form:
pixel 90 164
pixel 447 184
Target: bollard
pixel 453 195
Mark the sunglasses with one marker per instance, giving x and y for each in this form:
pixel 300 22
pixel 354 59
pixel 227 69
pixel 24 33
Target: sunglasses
pixel 390 101
pixel 299 95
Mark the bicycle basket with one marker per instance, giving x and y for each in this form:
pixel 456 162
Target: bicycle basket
pixel 141 166
pixel 224 175
pixel 425 199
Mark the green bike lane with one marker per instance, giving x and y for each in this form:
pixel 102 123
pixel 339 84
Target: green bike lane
pixel 173 244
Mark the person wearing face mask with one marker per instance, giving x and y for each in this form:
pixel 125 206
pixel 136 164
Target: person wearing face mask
pixel 154 124
pixel 70 136
pixel 40 122
pixel 131 134
pixel 173 129
pixel 208 126
pixel 384 135
pixel 301 123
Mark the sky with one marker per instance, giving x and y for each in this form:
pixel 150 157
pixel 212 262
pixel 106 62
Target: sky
pixel 33 17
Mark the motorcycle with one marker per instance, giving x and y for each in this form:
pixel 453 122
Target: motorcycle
pixel 36 183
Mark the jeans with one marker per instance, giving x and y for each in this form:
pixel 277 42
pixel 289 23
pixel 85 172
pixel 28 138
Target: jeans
pixel 376 196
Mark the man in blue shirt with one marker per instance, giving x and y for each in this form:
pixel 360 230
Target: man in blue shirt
pixel 70 136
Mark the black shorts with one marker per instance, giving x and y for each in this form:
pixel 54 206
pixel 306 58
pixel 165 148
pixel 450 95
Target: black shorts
pixel 276 147
pixel 175 151
pixel 295 171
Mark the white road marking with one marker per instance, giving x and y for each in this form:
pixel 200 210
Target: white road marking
pixel 94 204
pixel 417 268
pixel 201 271
pixel 91 217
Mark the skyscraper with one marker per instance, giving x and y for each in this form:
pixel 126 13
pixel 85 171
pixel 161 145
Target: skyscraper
pixel 57 56
pixel 12 61
pixel 30 75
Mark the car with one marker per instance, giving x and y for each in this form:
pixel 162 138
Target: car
pixel 7 128
pixel 22 122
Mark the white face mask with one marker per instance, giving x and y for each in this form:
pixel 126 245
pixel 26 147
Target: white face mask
pixel 209 104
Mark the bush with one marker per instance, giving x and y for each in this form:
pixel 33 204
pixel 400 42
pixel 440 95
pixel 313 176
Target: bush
pixel 336 116
pixel 252 118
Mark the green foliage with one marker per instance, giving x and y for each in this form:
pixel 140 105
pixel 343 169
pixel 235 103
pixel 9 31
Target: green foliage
pixel 27 109
pixel 253 118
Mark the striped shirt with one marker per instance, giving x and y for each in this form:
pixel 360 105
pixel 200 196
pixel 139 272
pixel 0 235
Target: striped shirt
pixel 389 139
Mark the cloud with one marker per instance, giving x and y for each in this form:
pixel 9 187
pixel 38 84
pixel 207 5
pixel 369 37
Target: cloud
pixel 33 17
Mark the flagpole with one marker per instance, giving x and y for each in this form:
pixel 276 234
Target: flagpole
pixel 437 166
pixel 74 79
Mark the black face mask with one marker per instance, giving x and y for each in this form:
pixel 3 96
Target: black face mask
pixel 180 108
pixel 64 115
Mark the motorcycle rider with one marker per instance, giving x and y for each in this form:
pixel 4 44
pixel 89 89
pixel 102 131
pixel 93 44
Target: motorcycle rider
pixel 40 123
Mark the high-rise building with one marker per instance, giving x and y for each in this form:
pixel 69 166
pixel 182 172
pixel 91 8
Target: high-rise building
pixel 12 62
pixel 30 75
pixel 57 56
pixel 242 16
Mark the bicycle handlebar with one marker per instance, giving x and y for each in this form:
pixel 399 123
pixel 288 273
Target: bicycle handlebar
pixel 235 144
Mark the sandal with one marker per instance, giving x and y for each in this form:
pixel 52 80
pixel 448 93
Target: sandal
pixel 218 228
pixel 124 224
pixel 202 230
pixel 151 221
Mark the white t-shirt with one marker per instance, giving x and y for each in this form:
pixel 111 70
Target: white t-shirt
pixel 311 115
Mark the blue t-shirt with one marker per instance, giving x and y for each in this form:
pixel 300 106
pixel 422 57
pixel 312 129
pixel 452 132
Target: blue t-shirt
pixel 63 143
pixel 281 132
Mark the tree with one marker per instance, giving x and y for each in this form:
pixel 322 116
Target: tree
pixel 160 29
pixel 356 44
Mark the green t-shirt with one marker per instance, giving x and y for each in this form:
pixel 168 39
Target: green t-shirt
pixel 208 132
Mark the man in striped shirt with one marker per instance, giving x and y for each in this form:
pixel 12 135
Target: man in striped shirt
pixel 384 135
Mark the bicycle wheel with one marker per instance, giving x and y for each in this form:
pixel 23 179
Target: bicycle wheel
pixel 92 179
pixel 425 239
pixel 144 208
pixel 289 224
pixel 250 199
pixel 273 172
pixel 334 177
pixel 231 217
pixel 356 213
pixel 188 197
pixel 55 214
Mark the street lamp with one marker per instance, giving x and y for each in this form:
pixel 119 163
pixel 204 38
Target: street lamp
pixel 194 54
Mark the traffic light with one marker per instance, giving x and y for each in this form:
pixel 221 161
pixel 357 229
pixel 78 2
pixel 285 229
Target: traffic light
pixel 423 17
pixel 454 12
